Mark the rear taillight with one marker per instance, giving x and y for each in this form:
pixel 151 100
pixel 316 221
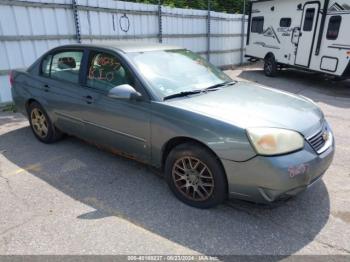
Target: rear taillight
pixel 12 81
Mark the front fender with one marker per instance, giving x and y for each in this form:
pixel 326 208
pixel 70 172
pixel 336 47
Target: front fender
pixel 226 141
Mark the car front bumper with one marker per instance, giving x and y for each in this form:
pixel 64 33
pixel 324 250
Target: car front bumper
pixel 266 179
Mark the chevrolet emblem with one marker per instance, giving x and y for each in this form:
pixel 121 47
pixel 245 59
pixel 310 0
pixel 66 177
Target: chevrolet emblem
pixel 325 136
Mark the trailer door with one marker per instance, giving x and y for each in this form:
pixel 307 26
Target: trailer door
pixel 307 34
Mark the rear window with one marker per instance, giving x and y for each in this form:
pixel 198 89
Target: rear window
pixel 257 25
pixel 333 27
pixel 63 66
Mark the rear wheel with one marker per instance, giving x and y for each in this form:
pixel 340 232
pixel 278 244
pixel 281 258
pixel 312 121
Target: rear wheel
pixel 270 66
pixel 41 125
pixel 195 176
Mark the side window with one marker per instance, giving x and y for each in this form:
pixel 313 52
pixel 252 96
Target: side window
pixel 45 65
pixel 285 22
pixel 66 66
pixel 309 19
pixel 257 25
pixel 333 27
pixel 105 72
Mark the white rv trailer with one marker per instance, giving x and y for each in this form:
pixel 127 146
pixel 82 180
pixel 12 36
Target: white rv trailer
pixel 312 35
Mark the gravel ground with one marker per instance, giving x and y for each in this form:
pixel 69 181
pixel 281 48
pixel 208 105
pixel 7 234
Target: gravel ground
pixel 72 198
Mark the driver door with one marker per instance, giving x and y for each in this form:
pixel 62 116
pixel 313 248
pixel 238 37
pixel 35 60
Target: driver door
pixel 122 125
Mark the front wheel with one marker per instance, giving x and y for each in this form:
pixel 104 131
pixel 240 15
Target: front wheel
pixel 195 176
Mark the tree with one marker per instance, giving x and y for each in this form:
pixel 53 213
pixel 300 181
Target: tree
pixel 230 6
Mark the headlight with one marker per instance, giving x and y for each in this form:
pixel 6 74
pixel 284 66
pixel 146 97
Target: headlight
pixel 274 141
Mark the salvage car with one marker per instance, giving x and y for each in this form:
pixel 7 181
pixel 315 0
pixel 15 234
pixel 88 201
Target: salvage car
pixel 212 137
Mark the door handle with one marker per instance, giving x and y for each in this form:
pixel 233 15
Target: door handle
pixel 89 99
pixel 46 88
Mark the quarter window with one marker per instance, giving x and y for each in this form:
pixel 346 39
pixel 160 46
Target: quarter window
pixel 333 27
pixel 285 22
pixel 258 24
pixel 309 19
pixel 66 66
pixel 106 71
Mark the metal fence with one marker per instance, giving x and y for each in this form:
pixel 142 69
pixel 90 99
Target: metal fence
pixel 29 28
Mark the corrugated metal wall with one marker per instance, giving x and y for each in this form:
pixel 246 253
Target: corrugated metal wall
pixel 29 28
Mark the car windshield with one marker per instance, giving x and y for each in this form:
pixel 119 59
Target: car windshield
pixel 174 71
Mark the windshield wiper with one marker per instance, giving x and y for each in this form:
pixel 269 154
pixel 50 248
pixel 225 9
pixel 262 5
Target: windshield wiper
pixel 205 90
pixel 227 83
pixel 184 93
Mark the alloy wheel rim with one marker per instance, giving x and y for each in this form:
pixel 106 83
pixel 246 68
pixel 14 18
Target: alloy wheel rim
pixel 39 122
pixel 193 178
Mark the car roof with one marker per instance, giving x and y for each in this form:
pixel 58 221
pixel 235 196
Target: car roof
pixel 127 46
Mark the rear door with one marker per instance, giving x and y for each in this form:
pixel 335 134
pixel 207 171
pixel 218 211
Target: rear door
pixel 62 91
pixel 307 33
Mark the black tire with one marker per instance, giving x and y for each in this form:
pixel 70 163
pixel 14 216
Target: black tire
pixel 270 66
pixel 194 152
pixel 52 134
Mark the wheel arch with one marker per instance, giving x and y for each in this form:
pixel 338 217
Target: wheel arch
pixel 29 102
pixel 269 54
pixel 175 141
pixel 33 100
pixel 57 134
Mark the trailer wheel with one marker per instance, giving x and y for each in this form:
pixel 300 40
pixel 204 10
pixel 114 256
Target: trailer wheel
pixel 270 66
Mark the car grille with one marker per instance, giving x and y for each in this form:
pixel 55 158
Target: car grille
pixel 317 141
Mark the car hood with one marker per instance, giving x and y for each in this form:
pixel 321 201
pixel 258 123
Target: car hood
pixel 251 105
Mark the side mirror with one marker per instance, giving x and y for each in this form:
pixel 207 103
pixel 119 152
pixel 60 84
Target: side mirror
pixel 124 92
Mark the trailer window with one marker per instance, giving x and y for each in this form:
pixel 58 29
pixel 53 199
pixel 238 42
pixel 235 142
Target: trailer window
pixel 258 24
pixel 285 22
pixel 333 27
pixel 309 19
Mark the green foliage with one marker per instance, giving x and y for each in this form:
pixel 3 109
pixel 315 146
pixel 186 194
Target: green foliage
pixel 8 108
pixel 227 6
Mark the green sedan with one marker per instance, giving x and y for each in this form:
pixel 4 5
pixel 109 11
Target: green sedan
pixel 165 106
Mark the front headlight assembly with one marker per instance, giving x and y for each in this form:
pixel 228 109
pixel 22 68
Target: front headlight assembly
pixel 274 141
